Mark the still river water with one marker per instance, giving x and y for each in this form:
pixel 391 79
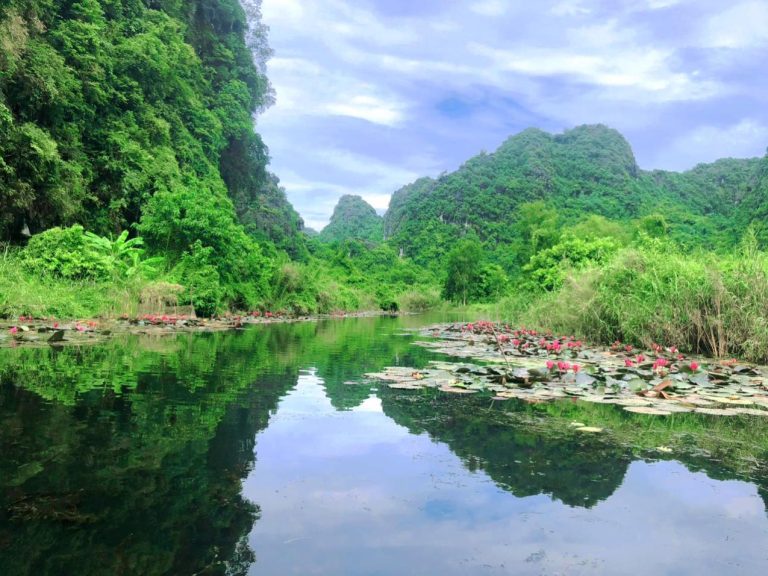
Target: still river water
pixel 262 452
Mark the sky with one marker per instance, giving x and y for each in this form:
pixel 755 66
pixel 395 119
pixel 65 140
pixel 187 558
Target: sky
pixel 373 94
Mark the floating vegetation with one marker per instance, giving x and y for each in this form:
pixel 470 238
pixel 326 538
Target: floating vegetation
pixel 535 367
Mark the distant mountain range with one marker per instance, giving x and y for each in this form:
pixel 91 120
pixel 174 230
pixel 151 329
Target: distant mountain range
pixel 588 170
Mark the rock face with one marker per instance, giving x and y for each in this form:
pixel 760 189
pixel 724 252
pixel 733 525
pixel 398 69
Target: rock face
pixel 353 219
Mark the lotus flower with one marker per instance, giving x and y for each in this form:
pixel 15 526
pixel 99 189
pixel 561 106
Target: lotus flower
pixel 575 368
pixel 550 364
pixel 694 366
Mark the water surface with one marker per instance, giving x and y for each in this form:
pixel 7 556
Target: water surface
pixel 263 452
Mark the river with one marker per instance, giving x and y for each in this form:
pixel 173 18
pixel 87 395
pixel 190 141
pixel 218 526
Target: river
pixel 265 451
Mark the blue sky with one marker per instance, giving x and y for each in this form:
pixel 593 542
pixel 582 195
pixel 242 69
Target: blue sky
pixel 372 94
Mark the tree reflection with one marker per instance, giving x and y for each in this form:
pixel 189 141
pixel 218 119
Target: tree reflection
pixel 579 471
pixel 129 460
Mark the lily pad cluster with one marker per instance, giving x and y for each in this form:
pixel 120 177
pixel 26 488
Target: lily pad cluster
pixel 538 367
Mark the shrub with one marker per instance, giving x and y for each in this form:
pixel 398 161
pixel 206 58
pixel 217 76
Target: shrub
pixel 200 278
pixel 700 303
pixel 65 253
pixel 418 300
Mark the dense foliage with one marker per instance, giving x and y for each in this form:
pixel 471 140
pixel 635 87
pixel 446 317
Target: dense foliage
pixel 127 151
pixel 132 116
pixel 353 219
pixel 515 199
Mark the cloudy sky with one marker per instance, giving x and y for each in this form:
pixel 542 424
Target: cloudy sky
pixel 372 94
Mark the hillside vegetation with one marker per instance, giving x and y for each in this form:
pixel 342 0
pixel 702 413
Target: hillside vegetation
pixel 130 170
pixel 512 199
pixel 353 219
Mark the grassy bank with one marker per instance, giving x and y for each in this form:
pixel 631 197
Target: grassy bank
pixel 26 294
pixel 701 303
pixel 292 288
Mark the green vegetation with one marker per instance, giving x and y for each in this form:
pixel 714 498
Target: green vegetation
pixel 353 219
pixel 517 198
pixel 655 293
pixel 127 151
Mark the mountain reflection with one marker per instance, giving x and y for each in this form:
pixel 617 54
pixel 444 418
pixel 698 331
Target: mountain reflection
pixel 524 461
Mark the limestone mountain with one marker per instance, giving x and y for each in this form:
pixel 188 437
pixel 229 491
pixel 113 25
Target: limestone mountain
pixel 353 219
pixel 588 170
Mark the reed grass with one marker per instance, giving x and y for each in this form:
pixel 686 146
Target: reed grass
pixel 702 303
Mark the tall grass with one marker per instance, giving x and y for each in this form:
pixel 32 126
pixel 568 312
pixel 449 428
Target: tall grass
pixel 708 304
pixel 23 293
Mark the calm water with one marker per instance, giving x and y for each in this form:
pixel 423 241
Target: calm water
pixel 260 452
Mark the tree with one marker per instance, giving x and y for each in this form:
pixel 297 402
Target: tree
pixel 464 267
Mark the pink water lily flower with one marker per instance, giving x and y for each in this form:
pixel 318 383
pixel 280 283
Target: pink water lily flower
pixel 13 330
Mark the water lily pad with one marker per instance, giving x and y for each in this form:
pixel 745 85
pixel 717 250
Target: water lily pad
pixel 674 407
pixel 583 379
pixel 719 411
pixel 736 401
pixel 632 402
pixel 701 380
pixel 751 411
pixel 404 386
pixel 647 410
pixel 455 390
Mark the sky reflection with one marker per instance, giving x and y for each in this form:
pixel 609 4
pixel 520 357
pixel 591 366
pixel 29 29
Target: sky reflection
pixel 353 492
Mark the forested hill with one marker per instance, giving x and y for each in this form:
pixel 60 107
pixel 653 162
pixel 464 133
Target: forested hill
pixel 564 178
pixel 353 219
pixel 136 114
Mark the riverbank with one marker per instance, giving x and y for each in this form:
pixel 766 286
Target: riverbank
pixel 30 332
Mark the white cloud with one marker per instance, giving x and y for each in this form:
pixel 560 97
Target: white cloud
pixel 646 70
pixel 370 108
pixel 570 8
pixel 276 10
pixel 662 4
pixel 304 88
pixel 349 173
pixel 744 25
pixel 745 139
pixel 489 7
